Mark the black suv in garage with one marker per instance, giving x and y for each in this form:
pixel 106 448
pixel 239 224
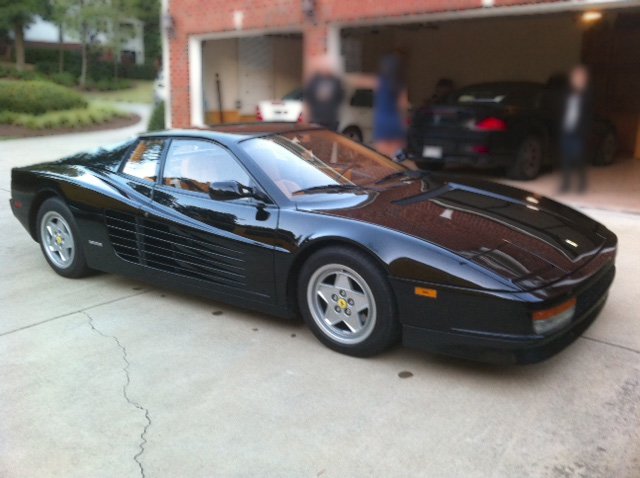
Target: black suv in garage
pixel 501 124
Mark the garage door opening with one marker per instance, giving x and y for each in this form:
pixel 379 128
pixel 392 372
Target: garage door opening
pixel 238 73
pixel 526 48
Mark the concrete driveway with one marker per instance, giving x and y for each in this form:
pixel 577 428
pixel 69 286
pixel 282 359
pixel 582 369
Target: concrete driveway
pixel 107 377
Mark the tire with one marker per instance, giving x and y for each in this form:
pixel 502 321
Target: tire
pixel 333 284
pixel 59 239
pixel 424 166
pixel 354 133
pixel 528 160
pixel 606 152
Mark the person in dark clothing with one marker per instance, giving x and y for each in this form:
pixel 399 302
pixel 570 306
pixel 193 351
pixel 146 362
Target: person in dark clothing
pixel 323 96
pixel 443 89
pixel 575 125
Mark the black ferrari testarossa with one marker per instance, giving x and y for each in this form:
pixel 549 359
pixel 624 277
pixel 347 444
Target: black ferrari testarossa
pixel 293 220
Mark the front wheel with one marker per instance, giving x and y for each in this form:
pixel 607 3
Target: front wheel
pixel 59 239
pixel 347 302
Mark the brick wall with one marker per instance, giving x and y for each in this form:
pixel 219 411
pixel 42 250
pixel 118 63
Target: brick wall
pixel 192 17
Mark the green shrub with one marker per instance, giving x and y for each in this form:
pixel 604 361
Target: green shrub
pixel 108 85
pixel 146 71
pixel 46 67
pixel 37 97
pixel 73 118
pixel 64 79
pixel 156 121
pixel 11 72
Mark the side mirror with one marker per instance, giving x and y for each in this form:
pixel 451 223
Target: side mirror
pixel 227 190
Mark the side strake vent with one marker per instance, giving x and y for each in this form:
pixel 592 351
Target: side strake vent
pixel 122 234
pixel 175 249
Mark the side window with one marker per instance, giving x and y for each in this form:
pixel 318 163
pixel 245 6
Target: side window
pixel 194 164
pixel 143 162
pixel 362 98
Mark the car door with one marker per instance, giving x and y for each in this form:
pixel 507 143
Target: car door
pixel 226 246
pixel 359 112
pixel 136 177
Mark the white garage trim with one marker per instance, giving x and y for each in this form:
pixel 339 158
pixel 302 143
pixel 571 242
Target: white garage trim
pixel 489 11
pixel 166 65
pixel 195 83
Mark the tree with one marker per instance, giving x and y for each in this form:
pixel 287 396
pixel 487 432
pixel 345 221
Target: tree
pixel 148 11
pixel 56 13
pixel 120 30
pixel 86 19
pixel 16 15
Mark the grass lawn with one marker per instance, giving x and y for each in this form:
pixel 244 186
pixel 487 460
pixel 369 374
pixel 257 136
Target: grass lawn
pixel 141 92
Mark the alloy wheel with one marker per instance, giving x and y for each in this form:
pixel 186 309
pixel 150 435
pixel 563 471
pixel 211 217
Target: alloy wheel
pixel 341 304
pixel 57 239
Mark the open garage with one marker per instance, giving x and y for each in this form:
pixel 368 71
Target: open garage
pixel 239 72
pixel 532 47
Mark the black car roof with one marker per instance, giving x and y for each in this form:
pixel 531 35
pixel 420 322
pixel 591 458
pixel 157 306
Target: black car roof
pixel 236 132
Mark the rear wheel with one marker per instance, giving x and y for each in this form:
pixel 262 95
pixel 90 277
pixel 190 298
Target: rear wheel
pixel 606 152
pixel 528 160
pixel 424 166
pixel 59 239
pixel 354 133
pixel 347 302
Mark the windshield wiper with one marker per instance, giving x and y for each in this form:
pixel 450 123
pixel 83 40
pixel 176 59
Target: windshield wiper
pixel 329 188
pixel 408 173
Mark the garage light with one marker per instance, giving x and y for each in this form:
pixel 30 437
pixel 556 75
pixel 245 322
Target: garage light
pixel 591 16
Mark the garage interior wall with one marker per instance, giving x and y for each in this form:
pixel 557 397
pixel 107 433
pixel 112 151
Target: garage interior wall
pixel 245 80
pixel 470 51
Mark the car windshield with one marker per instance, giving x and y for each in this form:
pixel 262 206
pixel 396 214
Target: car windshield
pixel 294 95
pixel 305 162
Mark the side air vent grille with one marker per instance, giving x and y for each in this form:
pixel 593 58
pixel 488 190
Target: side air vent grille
pixel 173 248
pixel 122 234
pixel 187 252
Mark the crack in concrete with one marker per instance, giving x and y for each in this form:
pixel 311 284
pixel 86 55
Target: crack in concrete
pixel 125 387
pixel 73 312
pixel 611 344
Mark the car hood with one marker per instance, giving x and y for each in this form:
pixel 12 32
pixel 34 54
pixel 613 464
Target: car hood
pixel 527 239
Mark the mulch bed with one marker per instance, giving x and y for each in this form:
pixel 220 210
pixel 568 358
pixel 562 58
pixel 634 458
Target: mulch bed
pixel 10 131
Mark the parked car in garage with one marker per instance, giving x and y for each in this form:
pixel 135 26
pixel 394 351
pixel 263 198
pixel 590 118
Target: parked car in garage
pixel 293 220
pixel 502 124
pixel 356 115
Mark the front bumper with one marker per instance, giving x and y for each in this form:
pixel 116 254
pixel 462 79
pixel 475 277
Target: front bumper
pixel 514 349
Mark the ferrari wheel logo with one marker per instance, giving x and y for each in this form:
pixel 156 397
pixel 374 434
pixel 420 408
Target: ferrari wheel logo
pixel 342 304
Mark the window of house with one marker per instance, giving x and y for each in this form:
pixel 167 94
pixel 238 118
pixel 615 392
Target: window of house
pixel 362 98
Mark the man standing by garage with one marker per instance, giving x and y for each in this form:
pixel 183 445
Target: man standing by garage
pixel 575 128
pixel 323 95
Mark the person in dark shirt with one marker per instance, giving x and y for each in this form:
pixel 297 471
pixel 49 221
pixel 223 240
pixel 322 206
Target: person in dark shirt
pixel 575 126
pixel 323 95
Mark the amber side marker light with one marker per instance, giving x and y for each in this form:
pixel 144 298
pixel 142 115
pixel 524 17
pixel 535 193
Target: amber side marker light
pixel 424 292
pixel 553 318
